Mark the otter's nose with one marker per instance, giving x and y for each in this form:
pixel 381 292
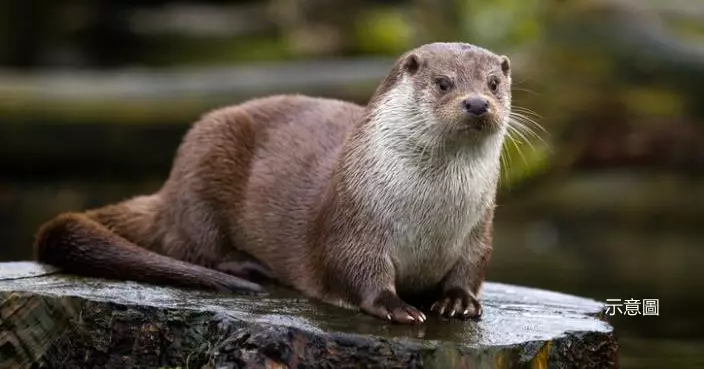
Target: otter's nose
pixel 476 105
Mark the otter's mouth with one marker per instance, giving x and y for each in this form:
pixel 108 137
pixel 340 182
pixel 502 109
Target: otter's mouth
pixel 477 124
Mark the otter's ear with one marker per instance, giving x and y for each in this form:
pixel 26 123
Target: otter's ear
pixel 505 65
pixel 411 64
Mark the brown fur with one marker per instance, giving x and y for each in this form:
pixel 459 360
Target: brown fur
pixel 259 189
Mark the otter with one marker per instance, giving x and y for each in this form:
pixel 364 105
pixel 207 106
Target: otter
pixel 385 208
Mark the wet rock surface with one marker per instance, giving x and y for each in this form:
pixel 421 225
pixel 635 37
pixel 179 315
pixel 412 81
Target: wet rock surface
pixel 62 321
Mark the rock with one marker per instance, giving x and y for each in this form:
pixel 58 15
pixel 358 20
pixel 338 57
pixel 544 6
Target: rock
pixel 64 321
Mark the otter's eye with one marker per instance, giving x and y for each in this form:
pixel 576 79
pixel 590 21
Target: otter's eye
pixel 494 84
pixel 444 84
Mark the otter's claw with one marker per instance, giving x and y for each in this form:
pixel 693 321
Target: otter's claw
pixel 387 305
pixel 457 300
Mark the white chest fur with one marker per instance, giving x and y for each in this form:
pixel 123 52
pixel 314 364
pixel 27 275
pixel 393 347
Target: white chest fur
pixel 428 201
pixel 431 216
pixel 431 220
pixel 428 214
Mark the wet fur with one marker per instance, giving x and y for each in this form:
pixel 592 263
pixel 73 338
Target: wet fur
pixel 345 203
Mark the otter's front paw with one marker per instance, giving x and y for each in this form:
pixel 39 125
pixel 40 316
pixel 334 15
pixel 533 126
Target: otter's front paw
pixel 387 305
pixel 458 303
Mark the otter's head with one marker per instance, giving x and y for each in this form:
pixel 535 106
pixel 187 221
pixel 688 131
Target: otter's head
pixel 445 90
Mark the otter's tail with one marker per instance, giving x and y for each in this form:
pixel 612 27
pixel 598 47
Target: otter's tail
pixel 80 245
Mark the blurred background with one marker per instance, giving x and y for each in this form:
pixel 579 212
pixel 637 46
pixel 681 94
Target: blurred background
pixel 605 203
